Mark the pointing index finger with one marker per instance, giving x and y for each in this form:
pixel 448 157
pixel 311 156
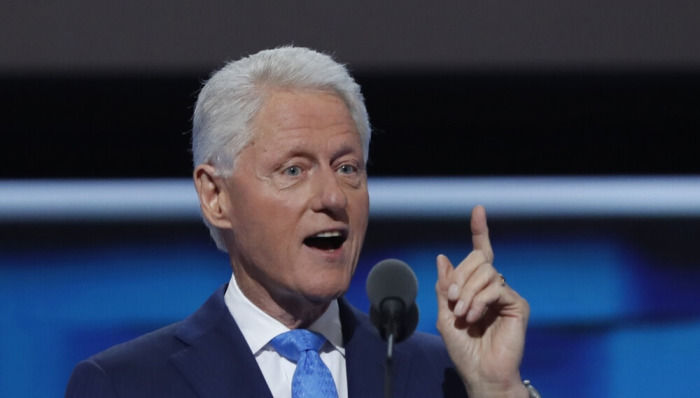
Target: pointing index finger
pixel 480 232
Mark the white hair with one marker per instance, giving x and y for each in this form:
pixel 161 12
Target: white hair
pixel 229 101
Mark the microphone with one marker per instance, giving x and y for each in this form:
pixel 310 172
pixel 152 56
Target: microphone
pixel 392 288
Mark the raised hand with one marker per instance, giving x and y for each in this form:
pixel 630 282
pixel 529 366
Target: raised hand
pixel 481 319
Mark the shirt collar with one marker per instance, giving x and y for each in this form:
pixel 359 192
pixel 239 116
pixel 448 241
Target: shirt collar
pixel 258 328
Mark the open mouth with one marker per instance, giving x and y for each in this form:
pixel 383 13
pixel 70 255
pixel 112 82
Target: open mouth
pixel 327 241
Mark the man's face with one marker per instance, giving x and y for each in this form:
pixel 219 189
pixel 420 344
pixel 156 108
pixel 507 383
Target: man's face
pixel 297 201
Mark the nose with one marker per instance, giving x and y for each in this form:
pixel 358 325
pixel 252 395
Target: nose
pixel 330 196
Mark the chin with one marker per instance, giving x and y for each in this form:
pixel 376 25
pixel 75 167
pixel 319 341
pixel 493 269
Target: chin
pixel 327 289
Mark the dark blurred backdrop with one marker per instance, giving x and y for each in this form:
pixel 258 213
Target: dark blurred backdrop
pixel 454 88
pixel 457 123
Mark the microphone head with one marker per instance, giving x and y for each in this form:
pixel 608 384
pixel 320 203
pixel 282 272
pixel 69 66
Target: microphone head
pixel 392 278
pixel 392 288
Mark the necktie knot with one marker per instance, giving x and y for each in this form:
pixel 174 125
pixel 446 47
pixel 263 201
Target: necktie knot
pixel 311 377
pixel 293 343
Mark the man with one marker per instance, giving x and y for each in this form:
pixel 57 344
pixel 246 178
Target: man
pixel 280 142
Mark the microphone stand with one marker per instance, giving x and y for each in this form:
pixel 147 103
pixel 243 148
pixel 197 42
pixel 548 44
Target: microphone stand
pixel 393 308
pixel 388 368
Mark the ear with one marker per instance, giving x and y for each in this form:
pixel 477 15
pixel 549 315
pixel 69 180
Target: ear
pixel 213 196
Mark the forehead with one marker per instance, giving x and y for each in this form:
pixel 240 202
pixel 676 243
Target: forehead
pixel 287 113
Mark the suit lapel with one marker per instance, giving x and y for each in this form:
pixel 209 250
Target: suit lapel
pixel 217 362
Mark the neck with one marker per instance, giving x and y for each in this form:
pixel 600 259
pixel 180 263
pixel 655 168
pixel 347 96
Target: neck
pixel 290 309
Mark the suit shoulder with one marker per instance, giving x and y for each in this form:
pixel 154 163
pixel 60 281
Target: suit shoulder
pixel 156 344
pixel 137 368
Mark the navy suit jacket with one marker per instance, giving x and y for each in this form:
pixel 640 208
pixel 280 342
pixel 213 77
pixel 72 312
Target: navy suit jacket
pixel 206 356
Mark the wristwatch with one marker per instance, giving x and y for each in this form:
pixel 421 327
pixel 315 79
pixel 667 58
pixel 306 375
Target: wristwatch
pixel 531 390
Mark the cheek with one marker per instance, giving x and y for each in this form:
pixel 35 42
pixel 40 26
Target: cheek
pixel 263 205
pixel 278 219
pixel 361 210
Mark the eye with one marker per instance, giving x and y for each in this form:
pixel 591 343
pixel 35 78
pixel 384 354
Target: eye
pixel 347 169
pixel 293 171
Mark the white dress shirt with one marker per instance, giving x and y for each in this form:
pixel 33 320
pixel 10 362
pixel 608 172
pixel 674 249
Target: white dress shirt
pixel 258 329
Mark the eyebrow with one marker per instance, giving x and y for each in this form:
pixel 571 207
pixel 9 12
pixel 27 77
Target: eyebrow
pixel 344 150
pixel 298 150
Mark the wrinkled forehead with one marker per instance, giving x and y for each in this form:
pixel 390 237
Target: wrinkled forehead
pixel 284 98
pixel 291 110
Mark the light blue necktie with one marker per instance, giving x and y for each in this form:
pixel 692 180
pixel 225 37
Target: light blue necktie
pixel 312 378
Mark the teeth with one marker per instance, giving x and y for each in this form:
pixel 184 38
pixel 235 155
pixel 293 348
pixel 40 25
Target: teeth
pixel 332 234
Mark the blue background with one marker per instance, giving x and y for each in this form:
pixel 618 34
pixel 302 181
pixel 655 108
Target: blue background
pixel 614 301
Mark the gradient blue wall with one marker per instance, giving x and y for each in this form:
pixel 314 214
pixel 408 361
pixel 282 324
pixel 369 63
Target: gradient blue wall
pixel 614 301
